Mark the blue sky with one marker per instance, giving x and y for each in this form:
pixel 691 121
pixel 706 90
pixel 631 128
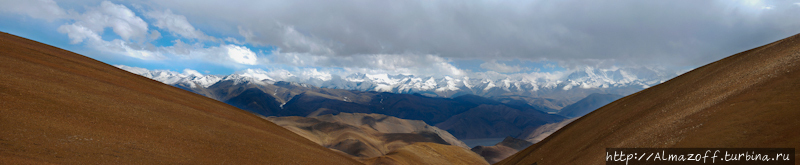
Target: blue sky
pixel 427 38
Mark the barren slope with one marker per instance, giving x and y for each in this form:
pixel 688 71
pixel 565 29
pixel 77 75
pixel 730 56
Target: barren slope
pixel 502 150
pixel 588 104
pixel 365 135
pixel 429 153
pixel 541 132
pixel 746 100
pixel 61 107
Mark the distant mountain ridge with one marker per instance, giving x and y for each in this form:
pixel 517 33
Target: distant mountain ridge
pixel 547 92
pixel 296 99
pixel 441 87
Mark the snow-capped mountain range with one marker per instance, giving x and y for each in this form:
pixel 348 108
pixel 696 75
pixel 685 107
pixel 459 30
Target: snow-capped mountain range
pixel 487 85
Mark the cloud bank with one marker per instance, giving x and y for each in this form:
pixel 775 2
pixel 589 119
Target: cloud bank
pixel 672 33
pixel 420 37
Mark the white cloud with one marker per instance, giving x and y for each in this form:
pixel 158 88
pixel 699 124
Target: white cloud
pixel 289 40
pixel 134 35
pixel 542 77
pixel 249 36
pixel 177 24
pixel 135 70
pixel 501 67
pixel 415 64
pixel 294 40
pixel 297 74
pixel 234 40
pixel 241 54
pixel 42 9
pixel 226 55
pixel 549 66
pixel 798 3
pixel 635 32
pixel 417 37
pixel 195 73
pixel 116 16
pixel 132 50
pixel 154 34
pixel 258 74
pixel 307 73
pixel 89 25
pixel 78 34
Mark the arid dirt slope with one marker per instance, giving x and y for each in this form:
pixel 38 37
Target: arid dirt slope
pixel 502 150
pixel 510 146
pixel 60 107
pixel 428 153
pixel 365 135
pixel 751 99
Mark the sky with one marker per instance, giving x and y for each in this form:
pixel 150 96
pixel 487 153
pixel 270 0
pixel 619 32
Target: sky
pixel 412 37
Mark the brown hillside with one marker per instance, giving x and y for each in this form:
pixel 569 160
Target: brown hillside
pixel 60 107
pixel 365 135
pixel 502 150
pixel 428 153
pixel 746 100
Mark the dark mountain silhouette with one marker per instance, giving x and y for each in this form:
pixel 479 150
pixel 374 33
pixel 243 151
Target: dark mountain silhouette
pixel 493 121
pixel 255 101
pixel 314 104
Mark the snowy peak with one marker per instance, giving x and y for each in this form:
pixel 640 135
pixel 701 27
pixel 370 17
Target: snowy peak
pixel 189 78
pixel 194 79
pixel 602 78
pixel 528 84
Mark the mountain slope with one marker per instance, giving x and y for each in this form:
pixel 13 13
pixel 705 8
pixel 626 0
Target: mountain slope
pixel 541 132
pixel 588 104
pixel 429 153
pixel 745 100
pixel 502 150
pixel 365 135
pixel 61 107
pixel 512 145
